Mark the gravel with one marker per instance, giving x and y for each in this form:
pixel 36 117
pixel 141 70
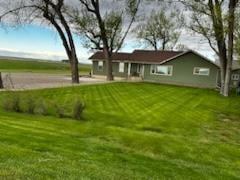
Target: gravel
pixel 21 81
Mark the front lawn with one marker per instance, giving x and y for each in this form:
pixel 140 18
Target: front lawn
pixel 129 131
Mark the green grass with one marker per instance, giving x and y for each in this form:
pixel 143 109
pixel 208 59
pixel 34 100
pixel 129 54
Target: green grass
pixel 129 131
pixel 39 66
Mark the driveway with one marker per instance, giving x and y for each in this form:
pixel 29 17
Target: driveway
pixel 40 80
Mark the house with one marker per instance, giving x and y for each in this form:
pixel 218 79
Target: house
pixel 235 73
pixel 187 68
pixel 65 61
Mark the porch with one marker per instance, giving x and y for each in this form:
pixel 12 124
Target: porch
pixel 135 71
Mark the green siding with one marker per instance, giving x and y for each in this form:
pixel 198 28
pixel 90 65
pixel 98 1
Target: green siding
pixel 183 72
pixel 95 68
pixel 116 72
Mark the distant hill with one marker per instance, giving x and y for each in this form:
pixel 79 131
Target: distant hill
pixel 16 64
pixel 23 59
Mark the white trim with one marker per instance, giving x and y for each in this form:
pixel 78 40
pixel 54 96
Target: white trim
pixel 171 72
pixel 100 66
pixel 235 77
pixel 129 69
pixel 194 73
pixel 143 71
pixel 121 69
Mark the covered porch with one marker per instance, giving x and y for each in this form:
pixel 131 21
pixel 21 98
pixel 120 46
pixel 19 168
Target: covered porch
pixel 135 71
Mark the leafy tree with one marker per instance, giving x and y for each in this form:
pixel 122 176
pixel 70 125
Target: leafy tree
pixel 52 12
pixel 215 21
pixel 103 29
pixel 162 29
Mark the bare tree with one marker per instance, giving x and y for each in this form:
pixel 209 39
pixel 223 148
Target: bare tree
pixel 181 47
pixel 105 32
pixel 162 29
pixel 215 20
pixel 237 36
pixel 54 12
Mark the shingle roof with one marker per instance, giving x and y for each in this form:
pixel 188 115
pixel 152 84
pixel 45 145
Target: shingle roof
pixel 116 56
pixel 153 56
pixel 139 56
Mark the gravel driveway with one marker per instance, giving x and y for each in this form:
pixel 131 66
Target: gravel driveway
pixel 40 80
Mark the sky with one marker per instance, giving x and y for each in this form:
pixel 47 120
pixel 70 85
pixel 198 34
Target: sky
pixel 42 42
pixel 34 41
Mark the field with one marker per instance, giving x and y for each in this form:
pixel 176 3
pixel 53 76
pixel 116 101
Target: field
pixel 39 66
pixel 129 131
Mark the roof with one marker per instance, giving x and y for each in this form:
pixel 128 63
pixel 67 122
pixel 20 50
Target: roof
pixel 116 56
pixel 236 65
pixel 153 56
pixel 147 56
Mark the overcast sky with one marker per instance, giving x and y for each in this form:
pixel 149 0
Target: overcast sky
pixel 35 41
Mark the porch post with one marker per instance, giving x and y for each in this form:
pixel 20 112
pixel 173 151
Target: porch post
pixel 129 69
pixel 143 71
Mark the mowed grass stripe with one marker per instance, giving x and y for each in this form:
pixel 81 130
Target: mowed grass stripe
pixel 130 130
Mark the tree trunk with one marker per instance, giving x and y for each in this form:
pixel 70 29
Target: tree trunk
pixel 69 47
pixel 163 44
pixel 109 70
pixel 108 58
pixel 231 19
pixel 227 79
pixel 74 70
pixel 222 57
pixel 1 81
pixel 222 72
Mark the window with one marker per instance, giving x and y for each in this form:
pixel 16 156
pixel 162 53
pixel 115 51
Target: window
pixel 201 71
pixel 100 65
pixel 161 70
pixel 121 67
pixel 235 77
pixel 153 69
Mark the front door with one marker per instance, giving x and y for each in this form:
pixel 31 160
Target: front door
pixel 140 70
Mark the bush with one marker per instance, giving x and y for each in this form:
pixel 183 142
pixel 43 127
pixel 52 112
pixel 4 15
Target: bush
pixel 12 103
pixel 60 111
pixel 78 109
pixel 41 108
pixel 31 105
pixel 6 104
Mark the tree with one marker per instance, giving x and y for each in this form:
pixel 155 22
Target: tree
pixel 54 12
pixel 105 32
pixel 162 29
pixel 237 36
pixel 215 21
pixel 181 47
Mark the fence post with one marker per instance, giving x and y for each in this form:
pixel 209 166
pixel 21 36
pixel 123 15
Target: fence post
pixel 1 81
